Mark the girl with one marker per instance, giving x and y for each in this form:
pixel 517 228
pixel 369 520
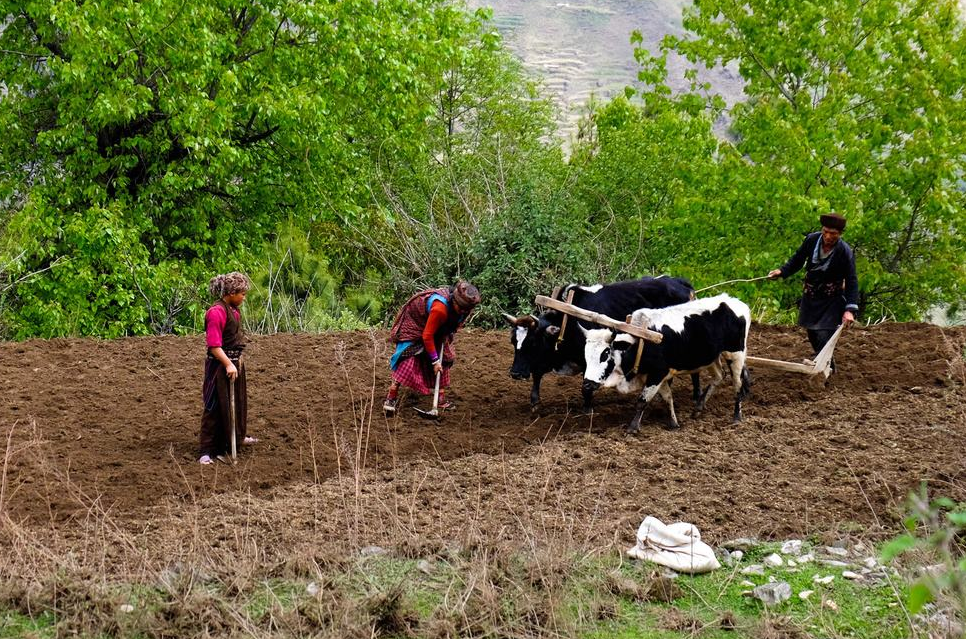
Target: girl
pixel 224 366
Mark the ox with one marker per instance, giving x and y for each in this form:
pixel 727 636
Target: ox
pixel 698 335
pixel 537 349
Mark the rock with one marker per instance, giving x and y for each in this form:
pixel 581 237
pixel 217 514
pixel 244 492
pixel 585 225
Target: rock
pixel 834 563
pixel 372 551
pixel 754 569
pixel 424 567
pixel 742 543
pixel 823 580
pixel 126 608
pixel 805 594
pixel 942 624
pixel 934 570
pixel 729 558
pixel 747 584
pixel 774 593
pixel 831 605
pixel 313 589
pixel 835 551
pixel 848 574
pixel 804 559
pixel 774 560
pixel 870 562
pixel 791 563
pixel 792 547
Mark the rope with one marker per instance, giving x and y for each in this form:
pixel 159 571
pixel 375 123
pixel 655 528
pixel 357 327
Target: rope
pixel 753 279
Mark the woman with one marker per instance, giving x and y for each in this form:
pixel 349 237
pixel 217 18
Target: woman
pixel 223 367
pixel 423 336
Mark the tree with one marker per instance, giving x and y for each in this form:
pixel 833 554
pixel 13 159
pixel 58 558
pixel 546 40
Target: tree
pixel 856 106
pixel 147 145
pixel 484 197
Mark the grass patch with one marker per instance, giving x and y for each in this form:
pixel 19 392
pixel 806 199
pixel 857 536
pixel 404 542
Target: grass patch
pixel 499 593
pixel 16 625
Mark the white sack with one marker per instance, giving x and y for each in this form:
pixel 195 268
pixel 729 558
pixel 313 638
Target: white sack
pixel 678 546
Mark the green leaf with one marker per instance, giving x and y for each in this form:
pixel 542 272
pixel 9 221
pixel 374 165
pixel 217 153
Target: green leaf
pixel 897 546
pixel 919 596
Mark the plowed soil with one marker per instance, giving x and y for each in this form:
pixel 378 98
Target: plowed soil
pixel 110 428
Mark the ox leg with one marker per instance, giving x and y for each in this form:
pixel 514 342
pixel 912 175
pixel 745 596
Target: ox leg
pixel 645 398
pixel 535 392
pixel 695 388
pixel 665 390
pixel 716 376
pixel 742 384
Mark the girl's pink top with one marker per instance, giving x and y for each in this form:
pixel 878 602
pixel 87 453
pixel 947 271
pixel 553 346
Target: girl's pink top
pixel 215 320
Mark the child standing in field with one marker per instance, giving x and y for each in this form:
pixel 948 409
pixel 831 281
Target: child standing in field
pixel 224 366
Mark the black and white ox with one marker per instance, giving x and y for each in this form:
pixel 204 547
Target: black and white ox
pixel 703 334
pixel 538 348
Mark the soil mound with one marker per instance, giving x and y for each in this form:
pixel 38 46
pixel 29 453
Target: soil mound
pixel 112 426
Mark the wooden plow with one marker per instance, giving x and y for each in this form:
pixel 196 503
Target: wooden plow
pixel 821 366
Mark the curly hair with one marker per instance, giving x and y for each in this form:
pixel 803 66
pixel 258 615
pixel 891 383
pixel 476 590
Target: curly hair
pixel 228 284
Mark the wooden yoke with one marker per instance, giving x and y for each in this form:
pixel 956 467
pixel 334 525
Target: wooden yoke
pixel 563 322
pixel 598 318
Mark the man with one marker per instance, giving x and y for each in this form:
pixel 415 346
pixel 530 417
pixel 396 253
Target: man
pixel 422 335
pixel 830 293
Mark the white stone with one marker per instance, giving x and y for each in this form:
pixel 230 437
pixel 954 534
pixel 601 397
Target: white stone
pixel 424 567
pixel 870 562
pixel 831 605
pixel 773 593
pixel 747 584
pixel 754 569
pixel 834 562
pixel 737 555
pixel 313 589
pixel 791 563
pixel 792 547
pixel 773 560
pixel 805 594
pixel 836 552
pixel 126 608
pixel 807 557
pixel 742 543
pixel 823 580
pixel 848 574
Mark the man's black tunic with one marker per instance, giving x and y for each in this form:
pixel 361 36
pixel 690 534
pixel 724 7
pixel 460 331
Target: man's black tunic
pixel 831 286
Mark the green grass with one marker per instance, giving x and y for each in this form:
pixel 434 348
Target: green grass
pixel 19 626
pixel 590 597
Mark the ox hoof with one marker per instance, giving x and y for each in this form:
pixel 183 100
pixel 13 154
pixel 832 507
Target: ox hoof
pixel 632 431
pixel 672 426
